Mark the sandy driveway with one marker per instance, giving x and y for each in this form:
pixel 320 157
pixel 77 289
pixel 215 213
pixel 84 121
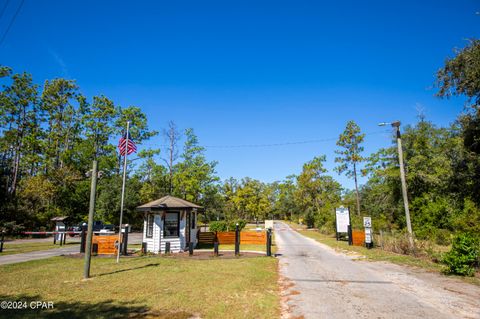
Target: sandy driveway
pixel 321 283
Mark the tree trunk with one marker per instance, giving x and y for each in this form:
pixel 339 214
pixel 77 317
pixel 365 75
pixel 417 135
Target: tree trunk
pixel 170 165
pixel 16 163
pixel 356 188
pixel 15 171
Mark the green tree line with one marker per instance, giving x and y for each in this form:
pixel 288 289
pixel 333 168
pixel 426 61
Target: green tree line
pixel 50 133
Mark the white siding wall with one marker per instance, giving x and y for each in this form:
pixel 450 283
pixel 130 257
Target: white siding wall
pixel 182 230
pixel 149 241
pixel 157 230
pixel 156 244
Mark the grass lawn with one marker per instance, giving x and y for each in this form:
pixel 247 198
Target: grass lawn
pixel 11 249
pixel 144 287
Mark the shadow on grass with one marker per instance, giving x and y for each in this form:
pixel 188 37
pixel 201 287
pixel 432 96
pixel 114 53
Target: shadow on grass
pixel 74 310
pixel 128 269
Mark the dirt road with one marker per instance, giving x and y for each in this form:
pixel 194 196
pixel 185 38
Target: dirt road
pixel 321 283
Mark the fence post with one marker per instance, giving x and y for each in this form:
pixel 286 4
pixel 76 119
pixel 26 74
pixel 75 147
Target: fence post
pixel 82 240
pixel 167 247
pixel 61 239
pixel 381 238
pixel 350 239
pixel 269 242
pixel 64 238
pixel 1 242
pixel 54 238
pixel 125 242
pixel 215 248
pixel 237 240
pixel 190 249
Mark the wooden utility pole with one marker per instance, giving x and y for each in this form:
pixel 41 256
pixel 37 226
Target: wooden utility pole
pixel 404 184
pixel 91 210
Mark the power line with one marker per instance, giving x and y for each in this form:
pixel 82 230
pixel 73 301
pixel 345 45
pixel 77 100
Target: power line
pixel 12 21
pixel 4 8
pixel 314 141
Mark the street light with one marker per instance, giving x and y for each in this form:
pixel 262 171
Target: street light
pixel 396 124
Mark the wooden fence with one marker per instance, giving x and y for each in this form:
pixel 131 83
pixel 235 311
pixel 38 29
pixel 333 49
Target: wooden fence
pixel 246 237
pixel 106 244
pixel 255 238
pixel 358 237
pixel 206 237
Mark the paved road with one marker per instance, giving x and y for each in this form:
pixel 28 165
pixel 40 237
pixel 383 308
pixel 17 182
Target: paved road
pixel 42 254
pixel 321 283
pixel 134 238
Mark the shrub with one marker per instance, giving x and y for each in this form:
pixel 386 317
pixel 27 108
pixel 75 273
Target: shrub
pixel 395 241
pixel 220 225
pixel 310 218
pixel 12 229
pixel 223 225
pixel 464 255
pixel 443 237
pixel 241 224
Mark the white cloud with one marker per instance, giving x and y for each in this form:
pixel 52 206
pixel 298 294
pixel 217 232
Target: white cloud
pixel 61 63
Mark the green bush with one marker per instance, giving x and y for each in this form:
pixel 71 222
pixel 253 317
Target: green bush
pixel 220 225
pixel 12 229
pixel 464 255
pixel 310 219
pixel 223 225
pixel 241 224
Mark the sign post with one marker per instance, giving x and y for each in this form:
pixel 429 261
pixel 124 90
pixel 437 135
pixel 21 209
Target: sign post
pixel 367 224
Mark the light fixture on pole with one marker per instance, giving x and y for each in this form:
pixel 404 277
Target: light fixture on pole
pixel 396 125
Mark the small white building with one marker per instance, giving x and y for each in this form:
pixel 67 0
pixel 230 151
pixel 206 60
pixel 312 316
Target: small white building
pixel 169 219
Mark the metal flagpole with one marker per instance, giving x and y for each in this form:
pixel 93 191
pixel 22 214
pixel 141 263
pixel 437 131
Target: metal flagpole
pixel 123 193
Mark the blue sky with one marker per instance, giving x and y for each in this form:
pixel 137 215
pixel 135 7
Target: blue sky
pixel 251 72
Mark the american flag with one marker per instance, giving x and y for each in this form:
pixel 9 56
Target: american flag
pixel 122 145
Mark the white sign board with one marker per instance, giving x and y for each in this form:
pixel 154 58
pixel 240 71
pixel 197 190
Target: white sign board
pixel 367 222
pixel 268 224
pixel 342 219
pixel 368 235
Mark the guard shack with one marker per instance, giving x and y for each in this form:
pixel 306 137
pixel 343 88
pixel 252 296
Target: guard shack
pixel 60 226
pixel 169 220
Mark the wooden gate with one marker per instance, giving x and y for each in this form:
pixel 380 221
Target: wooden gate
pixel 246 237
pixel 106 244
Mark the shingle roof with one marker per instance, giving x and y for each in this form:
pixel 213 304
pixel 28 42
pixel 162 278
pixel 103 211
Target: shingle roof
pixel 168 202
